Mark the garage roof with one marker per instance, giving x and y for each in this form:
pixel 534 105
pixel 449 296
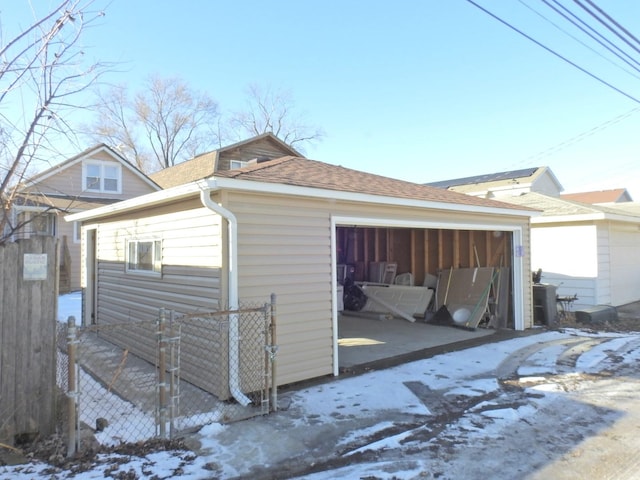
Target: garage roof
pixel 301 176
pixel 303 172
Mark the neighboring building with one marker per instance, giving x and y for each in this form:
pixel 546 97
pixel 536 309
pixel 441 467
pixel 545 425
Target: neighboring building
pixel 254 150
pixel 91 179
pixel 284 226
pixel 600 197
pixel 586 244
pixel 514 182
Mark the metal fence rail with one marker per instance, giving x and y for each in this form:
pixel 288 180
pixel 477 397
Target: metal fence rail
pixel 206 367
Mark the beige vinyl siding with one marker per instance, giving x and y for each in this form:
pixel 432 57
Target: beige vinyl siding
pixel 285 248
pixel 192 261
pixel 262 148
pixel 69 182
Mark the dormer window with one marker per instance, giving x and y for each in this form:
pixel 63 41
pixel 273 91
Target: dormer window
pixel 103 177
pixel 234 164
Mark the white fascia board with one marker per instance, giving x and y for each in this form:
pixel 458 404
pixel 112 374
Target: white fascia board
pixel 213 184
pixel 143 201
pixel 25 208
pixel 589 217
pixel 279 188
pixel 442 224
pixel 514 186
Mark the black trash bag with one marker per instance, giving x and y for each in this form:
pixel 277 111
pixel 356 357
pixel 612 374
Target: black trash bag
pixel 354 298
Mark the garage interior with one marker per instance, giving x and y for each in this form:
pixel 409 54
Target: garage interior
pixel 379 257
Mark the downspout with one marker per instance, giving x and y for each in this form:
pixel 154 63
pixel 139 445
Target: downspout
pixel 234 354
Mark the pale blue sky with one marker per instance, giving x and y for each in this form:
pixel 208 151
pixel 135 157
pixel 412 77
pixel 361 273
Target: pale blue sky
pixel 418 90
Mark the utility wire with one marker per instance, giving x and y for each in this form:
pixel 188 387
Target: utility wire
pixel 590 12
pixel 582 136
pixel 631 59
pixel 595 77
pixel 602 12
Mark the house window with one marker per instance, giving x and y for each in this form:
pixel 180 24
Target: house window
pixel 104 177
pixel 42 224
pixel 77 232
pixel 233 164
pixel 144 256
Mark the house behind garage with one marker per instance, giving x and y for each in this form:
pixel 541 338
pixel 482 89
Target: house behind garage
pixel 293 220
pixel 585 243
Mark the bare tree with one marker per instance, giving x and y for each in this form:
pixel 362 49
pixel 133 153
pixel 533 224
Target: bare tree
pixel 42 73
pixel 270 110
pixel 163 124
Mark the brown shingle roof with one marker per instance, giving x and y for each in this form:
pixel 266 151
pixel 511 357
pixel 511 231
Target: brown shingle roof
pixel 197 168
pixel 554 206
pixel 303 172
pixel 601 196
pixel 204 165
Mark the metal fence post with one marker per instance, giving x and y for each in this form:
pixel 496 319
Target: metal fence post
pixel 162 374
pixel 72 393
pixel 172 375
pixel 272 354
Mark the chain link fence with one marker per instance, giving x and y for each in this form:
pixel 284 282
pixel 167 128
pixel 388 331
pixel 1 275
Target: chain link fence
pixel 135 381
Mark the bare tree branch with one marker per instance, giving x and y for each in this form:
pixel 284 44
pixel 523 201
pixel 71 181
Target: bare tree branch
pixel 270 110
pixel 165 123
pixel 43 68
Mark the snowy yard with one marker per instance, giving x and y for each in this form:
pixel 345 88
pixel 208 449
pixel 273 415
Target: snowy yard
pixel 529 407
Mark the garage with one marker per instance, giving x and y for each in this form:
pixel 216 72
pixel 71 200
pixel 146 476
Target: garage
pixel 291 226
pixel 416 258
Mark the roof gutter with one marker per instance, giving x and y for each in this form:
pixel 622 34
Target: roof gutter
pixel 234 353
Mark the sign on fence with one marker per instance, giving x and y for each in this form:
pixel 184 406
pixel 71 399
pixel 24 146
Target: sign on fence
pixel 28 312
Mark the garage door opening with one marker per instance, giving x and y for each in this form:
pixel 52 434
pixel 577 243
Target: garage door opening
pixel 423 268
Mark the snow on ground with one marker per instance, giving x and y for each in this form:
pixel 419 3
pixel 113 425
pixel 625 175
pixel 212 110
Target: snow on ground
pixel 70 305
pixel 362 415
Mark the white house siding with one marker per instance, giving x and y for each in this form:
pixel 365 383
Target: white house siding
pixel 285 248
pixel 546 185
pixel 570 258
pixel 625 262
pixel 605 271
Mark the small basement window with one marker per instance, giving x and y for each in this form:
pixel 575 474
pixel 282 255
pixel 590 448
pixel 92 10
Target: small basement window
pixel 144 256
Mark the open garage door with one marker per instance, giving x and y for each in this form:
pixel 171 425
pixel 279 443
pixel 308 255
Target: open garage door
pixel 373 257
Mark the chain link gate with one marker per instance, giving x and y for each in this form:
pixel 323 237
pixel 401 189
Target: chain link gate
pixel 135 381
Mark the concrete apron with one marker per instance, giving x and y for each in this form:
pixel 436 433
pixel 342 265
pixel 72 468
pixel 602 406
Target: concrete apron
pixel 362 340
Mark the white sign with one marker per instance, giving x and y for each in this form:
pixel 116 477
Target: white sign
pixel 35 266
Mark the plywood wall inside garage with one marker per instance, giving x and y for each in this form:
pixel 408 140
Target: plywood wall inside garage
pixel 421 251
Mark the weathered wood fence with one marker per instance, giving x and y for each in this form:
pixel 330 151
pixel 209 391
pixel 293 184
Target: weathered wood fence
pixel 28 306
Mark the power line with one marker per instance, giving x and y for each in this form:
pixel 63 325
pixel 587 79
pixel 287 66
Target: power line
pixel 582 136
pixel 569 12
pixel 590 12
pixel 595 77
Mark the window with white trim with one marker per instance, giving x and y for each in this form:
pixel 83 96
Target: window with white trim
pixel 103 177
pixel 43 224
pixel 234 164
pixel 144 256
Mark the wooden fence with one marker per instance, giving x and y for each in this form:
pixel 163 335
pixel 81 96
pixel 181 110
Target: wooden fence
pixel 28 307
